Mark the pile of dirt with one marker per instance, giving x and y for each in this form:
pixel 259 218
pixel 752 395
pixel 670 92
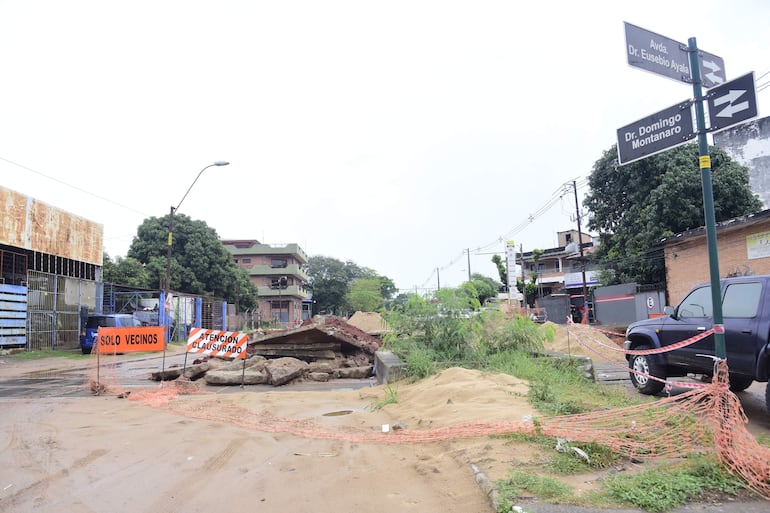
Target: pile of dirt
pixel 586 340
pixel 369 322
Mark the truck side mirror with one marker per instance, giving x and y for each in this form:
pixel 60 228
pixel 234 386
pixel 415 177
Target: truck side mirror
pixel 668 310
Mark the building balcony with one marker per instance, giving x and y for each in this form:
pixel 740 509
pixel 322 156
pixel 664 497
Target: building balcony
pixel 293 270
pixel 291 291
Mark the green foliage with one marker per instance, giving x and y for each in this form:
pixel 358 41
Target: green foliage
pixel 391 397
pixel 200 264
pixel 636 205
pixel 50 353
pixel 763 439
pixel 438 327
pixel 126 271
pixel 331 279
pixel 542 396
pixel 518 482
pixel 520 333
pixel 557 386
pixel 530 292
pixel 428 334
pixel 501 269
pixel 420 363
pixel 568 461
pixel 486 287
pixel 364 294
pixel 664 488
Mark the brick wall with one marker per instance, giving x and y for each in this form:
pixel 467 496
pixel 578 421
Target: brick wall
pixel 687 262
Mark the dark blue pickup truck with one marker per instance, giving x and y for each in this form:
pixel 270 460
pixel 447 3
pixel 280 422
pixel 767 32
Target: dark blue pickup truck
pixel 746 316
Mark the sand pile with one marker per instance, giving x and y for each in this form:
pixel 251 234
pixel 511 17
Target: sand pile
pixel 369 322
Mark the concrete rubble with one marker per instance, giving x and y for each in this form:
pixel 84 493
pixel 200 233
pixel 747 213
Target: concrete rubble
pixel 321 349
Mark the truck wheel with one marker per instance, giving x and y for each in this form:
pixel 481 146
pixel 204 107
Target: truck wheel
pixel 646 365
pixel 739 383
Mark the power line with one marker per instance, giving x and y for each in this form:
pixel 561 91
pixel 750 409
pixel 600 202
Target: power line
pixel 555 197
pixel 27 168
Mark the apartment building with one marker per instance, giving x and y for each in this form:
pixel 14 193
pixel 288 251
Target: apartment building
pixel 278 271
pixel 560 269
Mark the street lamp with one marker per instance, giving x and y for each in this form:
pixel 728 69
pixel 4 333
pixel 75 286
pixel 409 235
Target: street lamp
pixel 167 285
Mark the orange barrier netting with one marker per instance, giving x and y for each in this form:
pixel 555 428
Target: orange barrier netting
pixel 708 419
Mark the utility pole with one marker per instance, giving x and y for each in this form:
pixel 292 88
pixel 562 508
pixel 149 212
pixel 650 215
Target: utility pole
pixel 582 261
pixel 469 263
pixel 704 158
pixel 438 279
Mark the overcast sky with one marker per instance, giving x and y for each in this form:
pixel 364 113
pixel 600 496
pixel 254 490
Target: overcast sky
pixel 401 135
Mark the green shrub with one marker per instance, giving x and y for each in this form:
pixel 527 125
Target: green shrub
pixel 664 488
pixel 517 482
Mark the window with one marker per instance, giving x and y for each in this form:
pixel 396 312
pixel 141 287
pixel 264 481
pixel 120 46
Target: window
pixel 278 263
pixel 279 283
pixel 741 300
pixel 697 304
pixel 246 260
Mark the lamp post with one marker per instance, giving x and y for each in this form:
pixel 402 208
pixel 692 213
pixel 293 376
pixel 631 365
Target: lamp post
pixel 167 284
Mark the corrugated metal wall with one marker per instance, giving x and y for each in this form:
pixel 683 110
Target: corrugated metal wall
pixel 13 316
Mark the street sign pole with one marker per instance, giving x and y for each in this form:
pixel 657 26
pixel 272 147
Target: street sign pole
pixel 708 202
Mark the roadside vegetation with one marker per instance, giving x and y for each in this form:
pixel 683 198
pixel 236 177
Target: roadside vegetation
pixel 23 354
pixel 452 330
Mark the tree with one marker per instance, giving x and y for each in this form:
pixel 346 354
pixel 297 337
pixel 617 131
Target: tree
pixel 126 271
pixel 485 286
pixel 200 264
pixel 365 295
pixel 330 280
pixel 501 270
pixel 636 205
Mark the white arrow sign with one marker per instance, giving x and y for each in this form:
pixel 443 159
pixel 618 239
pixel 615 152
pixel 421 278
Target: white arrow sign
pixel 713 76
pixel 732 102
pixel 729 99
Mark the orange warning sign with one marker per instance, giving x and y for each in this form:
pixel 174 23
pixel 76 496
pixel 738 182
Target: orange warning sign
pixel 226 344
pixel 131 339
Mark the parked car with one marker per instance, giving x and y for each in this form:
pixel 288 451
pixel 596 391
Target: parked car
pixel 152 318
pixel 746 318
pixel 95 321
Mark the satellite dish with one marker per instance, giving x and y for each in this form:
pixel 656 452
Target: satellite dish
pixel 572 248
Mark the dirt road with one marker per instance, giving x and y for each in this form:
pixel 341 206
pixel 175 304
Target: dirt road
pixel 86 453
pixel 62 448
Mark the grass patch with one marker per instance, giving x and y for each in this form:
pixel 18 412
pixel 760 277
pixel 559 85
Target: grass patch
pixel 50 353
pixel 391 397
pixel 557 386
pixel 518 482
pixel 567 461
pixel 763 439
pixel 663 488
